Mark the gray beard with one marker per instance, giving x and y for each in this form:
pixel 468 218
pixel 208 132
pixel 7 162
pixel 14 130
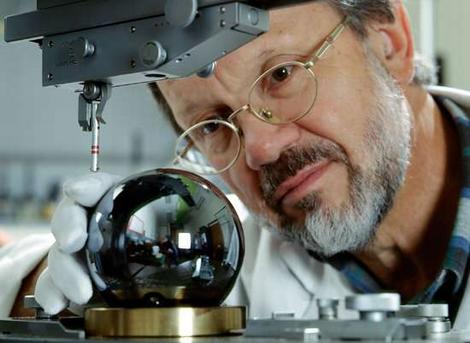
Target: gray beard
pixel 351 227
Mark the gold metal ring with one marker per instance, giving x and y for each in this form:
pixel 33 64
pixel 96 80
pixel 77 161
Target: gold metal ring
pixel 164 322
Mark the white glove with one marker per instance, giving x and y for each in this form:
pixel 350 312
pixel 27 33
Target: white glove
pixel 66 278
pixel 17 260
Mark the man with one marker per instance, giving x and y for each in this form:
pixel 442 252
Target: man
pixel 340 149
pixel 371 178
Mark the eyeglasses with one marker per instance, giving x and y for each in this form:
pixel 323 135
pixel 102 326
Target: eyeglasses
pixel 282 94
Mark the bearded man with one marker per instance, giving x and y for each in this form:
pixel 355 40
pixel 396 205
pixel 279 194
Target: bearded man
pixel 325 129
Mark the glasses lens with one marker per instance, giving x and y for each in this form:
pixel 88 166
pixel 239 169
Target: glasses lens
pixel 284 93
pixel 209 147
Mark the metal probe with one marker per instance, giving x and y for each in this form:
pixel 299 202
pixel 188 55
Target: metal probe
pixel 90 109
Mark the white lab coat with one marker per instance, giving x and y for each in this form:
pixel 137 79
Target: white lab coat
pixel 277 276
pixel 280 277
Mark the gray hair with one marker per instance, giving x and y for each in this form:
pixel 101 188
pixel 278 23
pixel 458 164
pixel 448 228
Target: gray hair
pixel 360 12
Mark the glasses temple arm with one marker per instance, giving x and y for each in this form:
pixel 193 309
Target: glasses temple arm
pixel 329 41
pixel 185 151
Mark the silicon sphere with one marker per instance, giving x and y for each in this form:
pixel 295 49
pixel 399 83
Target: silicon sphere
pixel 164 238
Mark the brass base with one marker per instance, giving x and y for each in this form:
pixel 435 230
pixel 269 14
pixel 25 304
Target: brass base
pixel 164 322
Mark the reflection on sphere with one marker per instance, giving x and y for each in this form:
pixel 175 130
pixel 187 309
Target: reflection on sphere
pixel 164 238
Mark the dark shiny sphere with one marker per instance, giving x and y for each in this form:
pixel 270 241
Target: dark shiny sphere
pixel 164 238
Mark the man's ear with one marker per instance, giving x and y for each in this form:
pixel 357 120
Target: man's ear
pixel 394 44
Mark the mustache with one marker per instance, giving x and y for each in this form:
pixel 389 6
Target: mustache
pixel 291 161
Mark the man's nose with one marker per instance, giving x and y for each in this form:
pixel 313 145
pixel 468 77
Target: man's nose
pixel 264 142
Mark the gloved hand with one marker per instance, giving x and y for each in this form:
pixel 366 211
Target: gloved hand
pixel 66 278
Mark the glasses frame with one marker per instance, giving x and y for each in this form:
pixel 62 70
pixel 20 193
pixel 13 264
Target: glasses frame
pixel 308 65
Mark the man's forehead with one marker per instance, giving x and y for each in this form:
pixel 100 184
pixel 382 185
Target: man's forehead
pixel 290 28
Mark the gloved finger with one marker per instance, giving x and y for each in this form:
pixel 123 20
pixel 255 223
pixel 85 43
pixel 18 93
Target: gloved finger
pixel 69 226
pixel 46 293
pixel 88 189
pixel 70 275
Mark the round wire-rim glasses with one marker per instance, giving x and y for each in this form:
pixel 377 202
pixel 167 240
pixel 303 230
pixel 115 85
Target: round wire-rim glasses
pixel 187 152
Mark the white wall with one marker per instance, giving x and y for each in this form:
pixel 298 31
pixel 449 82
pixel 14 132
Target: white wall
pixel 451 32
pixel 40 140
pixel 452 40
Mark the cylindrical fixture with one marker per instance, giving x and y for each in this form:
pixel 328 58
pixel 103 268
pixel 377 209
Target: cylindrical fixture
pixel 327 309
pixel 374 307
pixel 437 327
pixel 164 322
pixel 152 54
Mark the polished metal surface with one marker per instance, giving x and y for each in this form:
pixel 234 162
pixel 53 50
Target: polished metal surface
pixel 164 238
pixel 164 322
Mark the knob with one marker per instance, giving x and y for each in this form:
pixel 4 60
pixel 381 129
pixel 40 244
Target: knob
pixel 152 54
pixel 327 309
pixel 80 47
pixel 208 70
pixel 180 13
pixel 86 47
pixel 374 307
pixel 436 315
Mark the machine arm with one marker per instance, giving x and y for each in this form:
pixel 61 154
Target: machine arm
pixel 100 44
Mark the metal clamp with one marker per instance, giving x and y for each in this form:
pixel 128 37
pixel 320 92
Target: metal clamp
pixel 29 302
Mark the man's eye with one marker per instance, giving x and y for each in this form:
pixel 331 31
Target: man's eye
pixel 209 128
pixel 281 74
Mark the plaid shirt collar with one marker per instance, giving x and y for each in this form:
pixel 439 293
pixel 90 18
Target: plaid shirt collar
pixel 450 281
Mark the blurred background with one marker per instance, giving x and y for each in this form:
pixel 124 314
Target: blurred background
pixel 41 144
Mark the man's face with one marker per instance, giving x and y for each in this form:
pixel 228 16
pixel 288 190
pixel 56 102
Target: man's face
pixel 327 179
